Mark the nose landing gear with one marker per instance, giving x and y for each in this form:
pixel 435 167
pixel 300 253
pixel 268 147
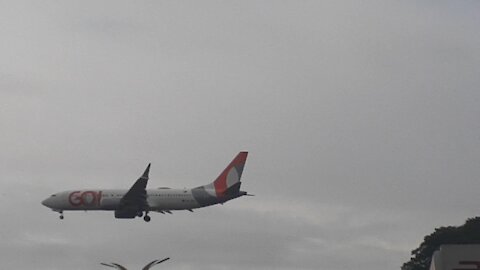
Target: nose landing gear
pixel 61 214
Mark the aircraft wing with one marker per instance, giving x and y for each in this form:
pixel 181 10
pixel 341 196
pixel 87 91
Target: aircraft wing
pixel 114 265
pixel 119 266
pixel 155 262
pixel 135 199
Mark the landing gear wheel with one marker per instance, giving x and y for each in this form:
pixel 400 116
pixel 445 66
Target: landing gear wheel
pixel 146 218
pixel 61 216
pixel 139 214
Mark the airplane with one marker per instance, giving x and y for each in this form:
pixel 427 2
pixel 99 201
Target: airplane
pixel 138 201
pixel 147 267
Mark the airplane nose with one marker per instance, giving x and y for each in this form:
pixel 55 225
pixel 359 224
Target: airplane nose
pixel 46 202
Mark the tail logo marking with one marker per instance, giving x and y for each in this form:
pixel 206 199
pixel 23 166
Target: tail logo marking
pixel 232 177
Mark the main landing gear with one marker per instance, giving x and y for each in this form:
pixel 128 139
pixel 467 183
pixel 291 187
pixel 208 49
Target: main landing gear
pixel 146 217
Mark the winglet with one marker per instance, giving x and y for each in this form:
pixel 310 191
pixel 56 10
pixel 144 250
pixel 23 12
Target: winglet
pixel 147 170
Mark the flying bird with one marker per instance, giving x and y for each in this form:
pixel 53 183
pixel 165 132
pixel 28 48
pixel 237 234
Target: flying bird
pixel 148 266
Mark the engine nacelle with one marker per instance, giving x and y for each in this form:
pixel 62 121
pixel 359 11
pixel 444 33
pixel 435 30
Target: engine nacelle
pixel 125 214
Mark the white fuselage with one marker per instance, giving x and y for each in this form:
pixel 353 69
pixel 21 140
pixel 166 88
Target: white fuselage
pixel 162 199
pixel 138 201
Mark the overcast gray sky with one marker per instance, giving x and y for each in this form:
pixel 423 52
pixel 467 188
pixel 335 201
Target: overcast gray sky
pixel 361 119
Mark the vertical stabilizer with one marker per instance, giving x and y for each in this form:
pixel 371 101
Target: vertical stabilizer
pixel 228 182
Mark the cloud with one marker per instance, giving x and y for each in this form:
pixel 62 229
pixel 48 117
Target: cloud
pixel 360 119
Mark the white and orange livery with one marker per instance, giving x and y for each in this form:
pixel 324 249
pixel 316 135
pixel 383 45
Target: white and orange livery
pixel 138 201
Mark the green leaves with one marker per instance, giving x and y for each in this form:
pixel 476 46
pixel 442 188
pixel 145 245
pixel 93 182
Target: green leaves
pixel 469 233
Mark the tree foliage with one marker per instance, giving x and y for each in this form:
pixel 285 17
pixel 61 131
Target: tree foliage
pixel 468 233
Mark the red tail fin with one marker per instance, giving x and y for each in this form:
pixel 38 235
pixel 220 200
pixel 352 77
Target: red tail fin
pixel 229 179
